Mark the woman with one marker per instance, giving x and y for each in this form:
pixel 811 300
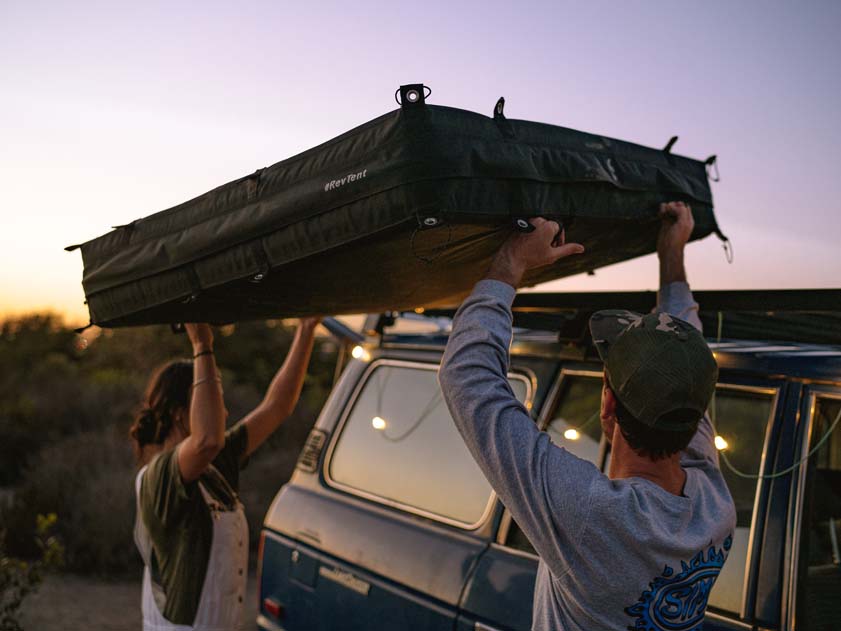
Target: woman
pixel 190 527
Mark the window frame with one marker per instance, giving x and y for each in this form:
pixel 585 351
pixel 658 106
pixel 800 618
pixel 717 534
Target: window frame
pixel 774 391
pixel 530 384
pixel 815 393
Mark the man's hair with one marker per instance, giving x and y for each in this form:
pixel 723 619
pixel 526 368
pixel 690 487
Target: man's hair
pixel 651 442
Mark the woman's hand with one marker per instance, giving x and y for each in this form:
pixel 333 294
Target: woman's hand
pixel 285 388
pixel 309 324
pixel 201 336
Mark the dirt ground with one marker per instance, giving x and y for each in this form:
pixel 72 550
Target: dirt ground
pixel 71 603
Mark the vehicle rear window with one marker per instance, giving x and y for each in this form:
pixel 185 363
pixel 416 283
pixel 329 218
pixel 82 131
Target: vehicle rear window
pixel 399 446
pixel 575 424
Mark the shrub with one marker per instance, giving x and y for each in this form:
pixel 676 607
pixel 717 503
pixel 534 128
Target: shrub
pixel 87 480
pixel 20 578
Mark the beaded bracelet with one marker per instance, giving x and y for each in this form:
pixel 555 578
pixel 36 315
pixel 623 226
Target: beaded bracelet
pixel 200 353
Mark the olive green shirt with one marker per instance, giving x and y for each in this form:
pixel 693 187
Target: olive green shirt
pixel 180 524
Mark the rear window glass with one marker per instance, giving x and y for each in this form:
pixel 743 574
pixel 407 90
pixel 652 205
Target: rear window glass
pixel 576 423
pixel 399 445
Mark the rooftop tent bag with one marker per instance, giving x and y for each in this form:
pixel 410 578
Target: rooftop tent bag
pixel 402 212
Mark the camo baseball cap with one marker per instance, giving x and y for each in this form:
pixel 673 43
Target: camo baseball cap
pixel 655 364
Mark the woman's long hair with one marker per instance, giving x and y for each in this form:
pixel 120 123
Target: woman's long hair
pixel 167 394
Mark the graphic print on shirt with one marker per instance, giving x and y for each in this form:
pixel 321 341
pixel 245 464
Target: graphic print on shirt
pixel 677 601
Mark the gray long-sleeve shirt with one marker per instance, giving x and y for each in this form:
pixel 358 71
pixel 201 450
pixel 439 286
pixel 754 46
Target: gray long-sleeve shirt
pixel 614 554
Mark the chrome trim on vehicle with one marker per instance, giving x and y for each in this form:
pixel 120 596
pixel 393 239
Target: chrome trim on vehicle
pixel 336 436
pixel 504 527
pixel 552 401
pixel 729 621
pixel 264 624
pixel 798 507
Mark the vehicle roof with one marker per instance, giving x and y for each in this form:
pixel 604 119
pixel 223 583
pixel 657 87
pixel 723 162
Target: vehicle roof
pixel 779 333
pixel 818 362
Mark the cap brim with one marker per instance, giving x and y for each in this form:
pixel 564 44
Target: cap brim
pixel 609 324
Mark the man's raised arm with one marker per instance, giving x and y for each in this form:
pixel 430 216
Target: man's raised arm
pixel 675 298
pixel 516 458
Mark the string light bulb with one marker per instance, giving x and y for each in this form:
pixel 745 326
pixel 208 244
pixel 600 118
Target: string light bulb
pixel 378 423
pixel 720 443
pixel 572 434
pixel 359 352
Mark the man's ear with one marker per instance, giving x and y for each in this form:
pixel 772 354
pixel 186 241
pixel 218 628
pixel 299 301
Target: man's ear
pixel 608 411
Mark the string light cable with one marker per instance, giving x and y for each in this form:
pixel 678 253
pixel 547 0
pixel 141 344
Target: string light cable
pixel 434 401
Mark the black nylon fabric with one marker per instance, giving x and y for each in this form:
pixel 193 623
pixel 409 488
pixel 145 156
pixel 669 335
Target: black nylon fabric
pixel 363 245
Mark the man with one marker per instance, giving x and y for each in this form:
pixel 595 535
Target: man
pixel 641 547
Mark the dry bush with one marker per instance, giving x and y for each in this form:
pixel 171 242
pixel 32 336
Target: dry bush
pixel 86 480
pixel 65 409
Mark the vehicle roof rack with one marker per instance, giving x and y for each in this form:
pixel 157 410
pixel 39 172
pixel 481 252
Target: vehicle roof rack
pixel 799 315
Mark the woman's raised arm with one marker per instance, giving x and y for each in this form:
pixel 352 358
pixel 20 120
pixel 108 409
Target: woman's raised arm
pixel 285 388
pixel 207 407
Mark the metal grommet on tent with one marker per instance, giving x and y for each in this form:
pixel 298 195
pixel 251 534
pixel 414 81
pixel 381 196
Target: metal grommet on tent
pixel 258 277
pixel 521 224
pixel 431 222
pixel 412 94
pixel 190 298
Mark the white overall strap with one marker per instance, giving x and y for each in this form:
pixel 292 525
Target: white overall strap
pixel 221 606
pixel 223 593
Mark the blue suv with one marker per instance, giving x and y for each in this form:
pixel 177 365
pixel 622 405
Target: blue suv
pixel 388 523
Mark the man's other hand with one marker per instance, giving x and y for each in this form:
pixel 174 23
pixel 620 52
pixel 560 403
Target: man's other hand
pixel 524 251
pixel 676 228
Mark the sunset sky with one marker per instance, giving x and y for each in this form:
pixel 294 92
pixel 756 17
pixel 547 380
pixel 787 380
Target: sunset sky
pixel 111 111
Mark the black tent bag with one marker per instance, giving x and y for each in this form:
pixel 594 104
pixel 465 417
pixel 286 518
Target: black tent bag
pixel 402 212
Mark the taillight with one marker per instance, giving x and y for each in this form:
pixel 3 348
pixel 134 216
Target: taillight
pixel 273 608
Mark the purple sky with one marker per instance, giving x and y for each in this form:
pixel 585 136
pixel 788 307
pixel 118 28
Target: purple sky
pixel 112 111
